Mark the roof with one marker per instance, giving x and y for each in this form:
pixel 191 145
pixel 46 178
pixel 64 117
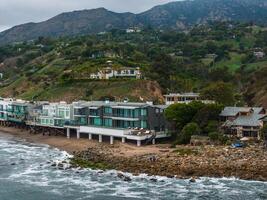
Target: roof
pixel 233 111
pixel 129 105
pixel 251 120
pixel 188 94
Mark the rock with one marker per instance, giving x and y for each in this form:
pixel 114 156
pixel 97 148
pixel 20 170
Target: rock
pixel 13 163
pixel 192 180
pixel 127 179
pixel 60 165
pixel 124 177
pixel 53 165
pixel 154 180
pixel 120 175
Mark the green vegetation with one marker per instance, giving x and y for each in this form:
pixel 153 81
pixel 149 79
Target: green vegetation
pixel 216 60
pixel 194 118
pixel 87 164
pixel 185 151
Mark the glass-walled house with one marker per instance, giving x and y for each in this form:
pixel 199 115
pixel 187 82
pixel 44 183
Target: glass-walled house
pixel 120 115
pixel 55 114
pixel 13 110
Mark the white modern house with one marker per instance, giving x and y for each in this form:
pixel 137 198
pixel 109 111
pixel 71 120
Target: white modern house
pixel 186 98
pixel 55 114
pixel 123 72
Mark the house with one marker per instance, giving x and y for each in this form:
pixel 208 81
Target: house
pixel 184 98
pixel 133 30
pixel 258 53
pixel 55 114
pixel 125 120
pixel 13 110
pixel 140 122
pixel 122 72
pixel 243 121
pixel 5 104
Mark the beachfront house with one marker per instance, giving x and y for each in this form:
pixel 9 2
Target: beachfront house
pixel 186 98
pixel 5 103
pixel 243 121
pixel 14 110
pixel 125 120
pixel 55 114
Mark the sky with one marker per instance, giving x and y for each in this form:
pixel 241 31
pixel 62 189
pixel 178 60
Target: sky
pixel 15 12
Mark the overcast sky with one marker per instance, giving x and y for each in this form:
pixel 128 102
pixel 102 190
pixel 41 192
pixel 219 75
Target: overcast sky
pixel 14 12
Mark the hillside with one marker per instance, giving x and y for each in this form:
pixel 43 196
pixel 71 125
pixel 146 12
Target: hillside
pixel 220 60
pixel 179 15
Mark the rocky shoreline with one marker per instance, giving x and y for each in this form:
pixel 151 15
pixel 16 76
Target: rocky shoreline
pixel 183 162
pixel 248 163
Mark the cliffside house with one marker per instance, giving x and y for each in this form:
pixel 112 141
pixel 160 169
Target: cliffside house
pixel 258 53
pixel 243 121
pixel 133 30
pixel 186 98
pixel 123 72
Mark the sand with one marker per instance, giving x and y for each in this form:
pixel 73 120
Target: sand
pixel 73 144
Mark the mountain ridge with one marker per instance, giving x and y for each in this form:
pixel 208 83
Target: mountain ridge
pixel 177 15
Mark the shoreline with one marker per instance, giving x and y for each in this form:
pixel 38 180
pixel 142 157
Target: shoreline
pixel 181 162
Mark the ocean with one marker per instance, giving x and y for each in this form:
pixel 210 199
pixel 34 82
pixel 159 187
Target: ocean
pixel 26 174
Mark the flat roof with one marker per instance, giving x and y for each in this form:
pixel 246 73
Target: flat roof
pixel 189 94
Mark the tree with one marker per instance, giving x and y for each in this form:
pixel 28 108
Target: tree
pixel 220 74
pixel 189 130
pixel 208 116
pixel 182 114
pixel 161 70
pixel 220 92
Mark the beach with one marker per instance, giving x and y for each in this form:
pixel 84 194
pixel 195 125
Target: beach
pixel 249 163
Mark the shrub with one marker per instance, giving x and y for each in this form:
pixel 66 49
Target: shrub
pixel 189 130
pixel 214 136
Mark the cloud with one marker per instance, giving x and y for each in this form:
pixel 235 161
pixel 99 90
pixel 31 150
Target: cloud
pixel 14 12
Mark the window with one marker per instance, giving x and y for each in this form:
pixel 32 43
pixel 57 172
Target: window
pixel 61 113
pixel 67 113
pixel 143 124
pixel 108 110
pixel 136 113
pixel 97 121
pixel 108 122
pixel 143 112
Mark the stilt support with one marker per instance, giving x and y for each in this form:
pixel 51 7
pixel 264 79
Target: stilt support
pixel 111 140
pixel 100 138
pixel 78 134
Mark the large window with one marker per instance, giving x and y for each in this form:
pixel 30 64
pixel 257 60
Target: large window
pixel 67 113
pixel 82 120
pixel 61 112
pixel 143 112
pixel 108 110
pixel 97 121
pixel 108 122
pixel 143 124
